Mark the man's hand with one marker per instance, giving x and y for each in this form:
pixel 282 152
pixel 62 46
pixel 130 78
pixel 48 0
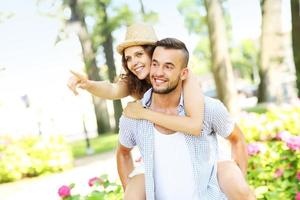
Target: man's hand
pixel 78 80
pixel 134 110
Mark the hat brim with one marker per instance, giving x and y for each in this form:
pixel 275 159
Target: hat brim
pixel 129 43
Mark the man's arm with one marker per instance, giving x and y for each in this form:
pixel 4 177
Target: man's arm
pixel 124 163
pixel 239 148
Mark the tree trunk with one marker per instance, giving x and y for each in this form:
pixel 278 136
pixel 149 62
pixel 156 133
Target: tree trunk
pixel 109 57
pixel 221 66
pixel 295 10
pixel 272 52
pixel 142 7
pixel 77 22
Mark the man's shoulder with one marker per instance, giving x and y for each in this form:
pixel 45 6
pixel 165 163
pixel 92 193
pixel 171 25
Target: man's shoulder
pixel 126 122
pixel 211 102
pixel 213 107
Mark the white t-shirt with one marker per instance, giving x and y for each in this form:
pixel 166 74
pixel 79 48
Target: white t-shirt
pixel 173 173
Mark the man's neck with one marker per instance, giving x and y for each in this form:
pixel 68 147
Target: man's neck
pixel 167 101
pixel 167 104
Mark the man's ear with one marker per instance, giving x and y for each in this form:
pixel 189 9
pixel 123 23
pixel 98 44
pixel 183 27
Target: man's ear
pixel 184 73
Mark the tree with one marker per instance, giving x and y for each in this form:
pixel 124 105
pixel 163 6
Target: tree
pixel 77 24
pixel 221 66
pixel 106 32
pixel 206 19
pixel 295 10
pixel 271 54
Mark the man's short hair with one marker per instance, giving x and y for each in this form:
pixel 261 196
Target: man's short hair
pixel 173 43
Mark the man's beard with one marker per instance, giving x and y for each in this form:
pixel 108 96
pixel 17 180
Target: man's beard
pixel 168 89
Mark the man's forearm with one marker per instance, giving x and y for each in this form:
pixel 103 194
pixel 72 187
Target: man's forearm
pixel 125 166
pixel 240 155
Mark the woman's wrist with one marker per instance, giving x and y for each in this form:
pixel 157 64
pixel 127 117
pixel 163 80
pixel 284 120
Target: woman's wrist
pixel 145 113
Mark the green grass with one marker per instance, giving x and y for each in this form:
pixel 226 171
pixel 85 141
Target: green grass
pixel 260 109
pixel 103 143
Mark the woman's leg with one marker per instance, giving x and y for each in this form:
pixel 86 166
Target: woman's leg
pixel 232 181
pixel 135 189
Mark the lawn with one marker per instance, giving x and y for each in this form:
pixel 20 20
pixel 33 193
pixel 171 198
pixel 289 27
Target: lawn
pixel 100 144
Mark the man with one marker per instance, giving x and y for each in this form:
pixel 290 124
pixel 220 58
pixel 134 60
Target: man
pixel 177 166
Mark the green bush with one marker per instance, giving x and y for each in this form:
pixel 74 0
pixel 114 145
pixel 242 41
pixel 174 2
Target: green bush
pixel 274 149
pixel 33 156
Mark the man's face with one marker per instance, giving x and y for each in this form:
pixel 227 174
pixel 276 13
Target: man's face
pixel 167 70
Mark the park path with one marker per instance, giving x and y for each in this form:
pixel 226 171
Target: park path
pixel 45 187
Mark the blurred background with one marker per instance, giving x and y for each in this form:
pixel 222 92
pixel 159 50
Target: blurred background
pixel 245 53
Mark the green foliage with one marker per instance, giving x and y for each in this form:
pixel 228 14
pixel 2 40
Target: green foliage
pixel 201 59
pixel 244 59
pixel 151 17
pixel 194 16
pixel 103 143
pixel 32 156
pixel 106 23
pixel 260 109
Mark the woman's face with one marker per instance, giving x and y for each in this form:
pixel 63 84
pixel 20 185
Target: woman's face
pixel 138 61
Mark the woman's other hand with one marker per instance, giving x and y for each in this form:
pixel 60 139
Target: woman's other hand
pixel 134 110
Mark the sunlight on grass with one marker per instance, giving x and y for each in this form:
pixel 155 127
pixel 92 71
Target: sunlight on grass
pixel 100 144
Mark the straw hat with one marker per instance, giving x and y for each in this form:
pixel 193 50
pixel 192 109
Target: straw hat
pixel 138 34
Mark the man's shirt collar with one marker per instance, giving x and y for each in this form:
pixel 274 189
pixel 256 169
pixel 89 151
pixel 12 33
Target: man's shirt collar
pixel 146 100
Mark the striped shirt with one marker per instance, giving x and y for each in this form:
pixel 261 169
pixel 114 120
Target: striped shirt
pixel 203 149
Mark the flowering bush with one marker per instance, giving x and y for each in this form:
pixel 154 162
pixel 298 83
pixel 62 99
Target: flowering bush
pixel 32 156
pixel 100 189
pixel 260 127
pixel 274 150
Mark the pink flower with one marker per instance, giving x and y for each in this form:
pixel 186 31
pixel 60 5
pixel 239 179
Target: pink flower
pixel 293 143
pixel 298 196
pixel 253 149
pixel 283 135
pixel 298 176
pixel 94 180
pixel 278 173
pixel 64 191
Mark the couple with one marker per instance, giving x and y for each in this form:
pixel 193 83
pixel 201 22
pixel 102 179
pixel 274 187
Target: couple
pixel 178 165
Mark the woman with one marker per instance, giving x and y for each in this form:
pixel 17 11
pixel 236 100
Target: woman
pixel 136 53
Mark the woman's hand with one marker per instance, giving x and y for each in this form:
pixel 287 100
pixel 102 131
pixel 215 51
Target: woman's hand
pixel 134 110
pixel 78 80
